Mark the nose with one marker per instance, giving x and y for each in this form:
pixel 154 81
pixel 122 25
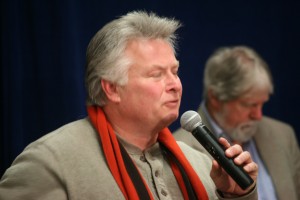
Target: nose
pixel 173 82
pixel 256 113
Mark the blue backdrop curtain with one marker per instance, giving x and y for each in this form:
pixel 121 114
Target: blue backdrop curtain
pixel 43 47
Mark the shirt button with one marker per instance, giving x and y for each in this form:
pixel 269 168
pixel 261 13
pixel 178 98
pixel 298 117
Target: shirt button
pixel 163 192
pixel 156 173
pixel 142 158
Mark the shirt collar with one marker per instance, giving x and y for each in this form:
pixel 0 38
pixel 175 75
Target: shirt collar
pixel 217 130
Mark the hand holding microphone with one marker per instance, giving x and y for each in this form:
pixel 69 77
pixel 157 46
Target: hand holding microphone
pixel 191 122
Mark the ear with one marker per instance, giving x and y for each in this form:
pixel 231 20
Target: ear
pixel 110 90
pixel 214 102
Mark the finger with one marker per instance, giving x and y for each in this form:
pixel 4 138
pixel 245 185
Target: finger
pixel 251 167
pixel 216 169
pixel 233 151
pixel 224 142
pixel 243 158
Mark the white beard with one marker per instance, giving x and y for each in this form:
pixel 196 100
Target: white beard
pixel 243 132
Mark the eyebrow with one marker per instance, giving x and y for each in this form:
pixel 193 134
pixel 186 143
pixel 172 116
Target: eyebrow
pixel 161 66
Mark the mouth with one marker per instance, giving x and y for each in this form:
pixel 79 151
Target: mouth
pixel 172 103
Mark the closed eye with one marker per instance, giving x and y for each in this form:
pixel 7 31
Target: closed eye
pixel 156 74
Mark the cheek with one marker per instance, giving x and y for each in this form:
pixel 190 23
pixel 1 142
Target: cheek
pixel 233 115
pixel 152 93
pixel 238 116
pixel 147 93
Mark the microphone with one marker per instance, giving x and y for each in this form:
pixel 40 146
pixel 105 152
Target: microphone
pixel 191 122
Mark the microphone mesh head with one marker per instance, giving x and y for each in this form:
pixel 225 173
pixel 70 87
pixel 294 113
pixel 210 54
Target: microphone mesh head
pixel 190 120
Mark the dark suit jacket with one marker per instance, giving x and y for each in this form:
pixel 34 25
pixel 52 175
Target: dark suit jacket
pixel 278 148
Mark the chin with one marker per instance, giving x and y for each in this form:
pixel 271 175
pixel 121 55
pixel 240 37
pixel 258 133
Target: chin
pixel 170 118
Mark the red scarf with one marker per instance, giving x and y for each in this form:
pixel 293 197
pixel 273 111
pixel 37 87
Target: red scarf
pixel 117 167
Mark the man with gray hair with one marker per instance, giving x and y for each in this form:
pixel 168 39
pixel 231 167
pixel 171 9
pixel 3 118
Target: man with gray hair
pixel 123 149
pixel 237 83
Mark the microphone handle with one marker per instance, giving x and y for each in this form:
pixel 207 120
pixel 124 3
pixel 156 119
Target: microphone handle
pixel 216 150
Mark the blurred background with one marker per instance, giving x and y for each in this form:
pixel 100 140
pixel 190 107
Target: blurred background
pixel 43 46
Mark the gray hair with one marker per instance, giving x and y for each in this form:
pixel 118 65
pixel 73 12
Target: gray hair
pixel 231 72
pixel 105 57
